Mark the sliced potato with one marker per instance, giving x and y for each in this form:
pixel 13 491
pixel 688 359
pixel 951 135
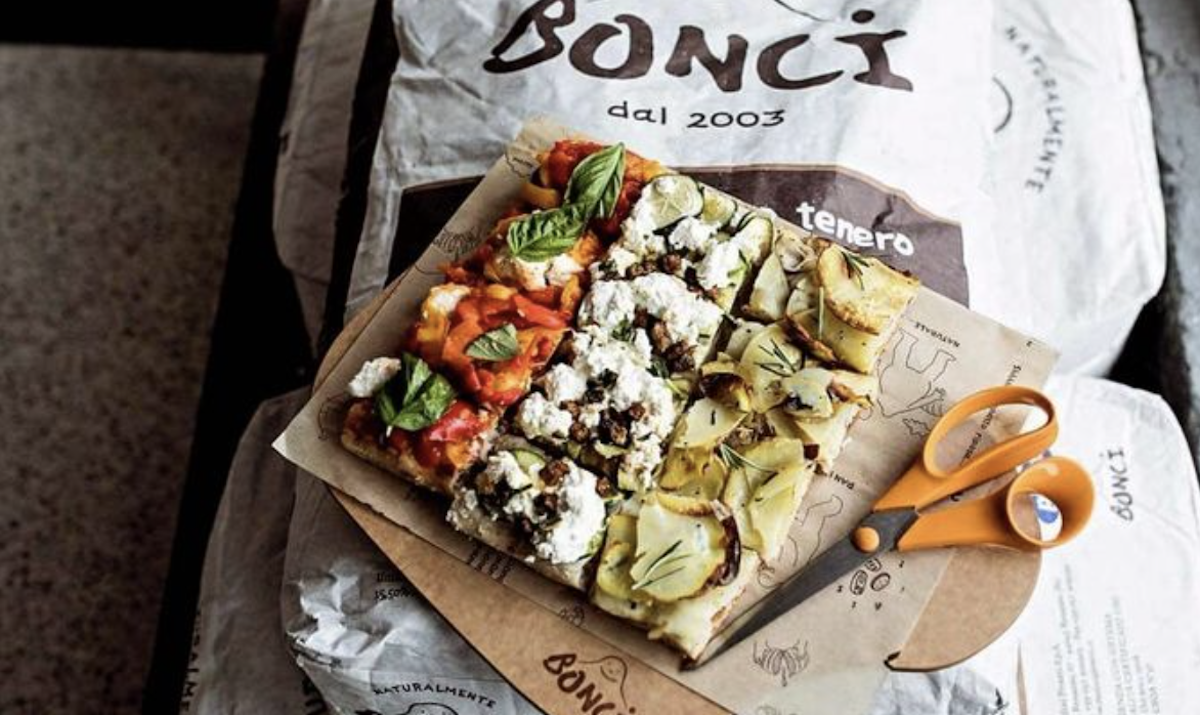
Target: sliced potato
pixel 694 472
pixel 683 465
pixel 804 294
pixel 807 394
pixel 706 423
pixel 831 340
pixel 768 359
pixel 769 297
pixel 764 492
pixel 855 387
pixel 829 436
pixel 740 337
pixel 685 504
pixel 796 253
pixel 612 574
pixel 677 554
pixel 691 623
pixel 863 292
pixel 775 504
pixel 623 527
pixel 723 380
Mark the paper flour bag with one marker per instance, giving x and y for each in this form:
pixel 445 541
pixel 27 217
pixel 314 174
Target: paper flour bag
pixel 364 635
pixel 1114 624
pixel 240 662
pixel 1079 213
pixel 868 123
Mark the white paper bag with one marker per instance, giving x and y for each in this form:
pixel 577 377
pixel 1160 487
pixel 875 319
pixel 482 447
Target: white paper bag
pixel 870 125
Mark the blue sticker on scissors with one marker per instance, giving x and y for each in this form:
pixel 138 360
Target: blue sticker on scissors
pixel 1048 516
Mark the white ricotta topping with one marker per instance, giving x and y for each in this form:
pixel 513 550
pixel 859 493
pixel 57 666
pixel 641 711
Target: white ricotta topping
pixel 608 304
pixel 443 299
pixel 564 383
pixel 685 314
pixel 597 353
pixel 616 263
pixel 531 274
pixel 373 375
pixel 581 517
pixel 722 260
pixel 641 343
pixel 562 267
pixel 640 387
pixel 538 417
pixel 692 235
pixel 590 416
pixel 641 460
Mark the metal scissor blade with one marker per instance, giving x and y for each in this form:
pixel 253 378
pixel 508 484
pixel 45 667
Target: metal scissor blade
pixel 835 562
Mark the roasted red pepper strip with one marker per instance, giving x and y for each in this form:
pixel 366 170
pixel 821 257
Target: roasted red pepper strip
pixel 538 314
pixel 460 423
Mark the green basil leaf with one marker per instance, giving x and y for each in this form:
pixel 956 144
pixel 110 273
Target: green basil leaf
pixel 416 374
pixel 543 235
pixel 495 345
pixel 415 398
pixel 596 181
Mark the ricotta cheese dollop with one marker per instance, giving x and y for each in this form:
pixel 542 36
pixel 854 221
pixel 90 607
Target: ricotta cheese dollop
pixel 373 375
pixel 581 515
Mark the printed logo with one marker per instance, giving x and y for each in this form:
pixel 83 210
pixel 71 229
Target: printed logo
pixel 910 384
pixel 782 663
pixel 598 685
pixel 869 581
pixel 417 709
pixel 542 26
pixel 1116 471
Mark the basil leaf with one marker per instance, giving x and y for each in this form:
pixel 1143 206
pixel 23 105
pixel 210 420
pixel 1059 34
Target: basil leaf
pixel 495 345
pixel 596 181
pixel 543 235
pixel 416 374
pixel 415 398
pixel 428 407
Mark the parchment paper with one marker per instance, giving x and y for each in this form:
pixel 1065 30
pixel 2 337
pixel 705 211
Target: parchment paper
pixel 941 353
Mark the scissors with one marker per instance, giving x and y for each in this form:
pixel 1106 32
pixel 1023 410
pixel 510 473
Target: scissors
pixel 1046 505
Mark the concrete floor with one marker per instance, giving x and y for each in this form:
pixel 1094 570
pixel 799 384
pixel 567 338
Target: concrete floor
pixel 120 170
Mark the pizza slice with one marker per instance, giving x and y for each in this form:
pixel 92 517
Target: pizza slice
pixel 681 228
pixel 567 213
pixel 842 305
pixel 543 509
pixel 673 565
pixel 603 404
pixel 408 420
pixel 492 338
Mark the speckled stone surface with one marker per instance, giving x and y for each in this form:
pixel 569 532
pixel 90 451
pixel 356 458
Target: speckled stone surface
pixel 120 171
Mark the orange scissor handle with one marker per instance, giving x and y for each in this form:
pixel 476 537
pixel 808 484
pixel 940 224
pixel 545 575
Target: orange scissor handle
pixel 926 483
pixel 1008 518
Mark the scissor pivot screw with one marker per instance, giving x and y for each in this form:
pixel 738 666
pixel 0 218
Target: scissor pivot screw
pixel 866 539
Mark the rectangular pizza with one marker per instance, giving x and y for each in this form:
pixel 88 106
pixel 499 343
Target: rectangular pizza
pixel 631 384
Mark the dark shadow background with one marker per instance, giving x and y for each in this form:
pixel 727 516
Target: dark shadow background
pixel 207 25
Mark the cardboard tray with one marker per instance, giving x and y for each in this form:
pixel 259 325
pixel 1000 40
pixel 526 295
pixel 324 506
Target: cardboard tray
pixel 979 596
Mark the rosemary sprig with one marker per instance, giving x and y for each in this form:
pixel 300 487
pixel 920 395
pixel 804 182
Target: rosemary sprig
pixel 644 583
pixel 663 559
pixel 785 366
pixel 733 460
pixel 774 368
pixel 854 267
